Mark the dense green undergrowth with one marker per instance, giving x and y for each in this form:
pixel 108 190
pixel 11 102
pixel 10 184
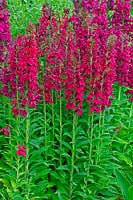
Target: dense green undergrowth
pixel 68 157
pixel 22 12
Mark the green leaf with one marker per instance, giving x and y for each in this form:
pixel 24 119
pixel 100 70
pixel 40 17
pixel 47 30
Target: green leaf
pixel 6 182
pixel 130 193
pixel 127 160
pixel 82 143
pixel 63 167
pixel 124 184
pixel 66 144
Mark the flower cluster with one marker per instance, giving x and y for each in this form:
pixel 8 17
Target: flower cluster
pixel 122 24
pixel 5 36
pixel 6 130
pixel 110 4
pixel 78 53
pixel 102 76
pixel 130 75
pixel 21 151
pixel 121 19
pixel 51 36
pixel 23 70
pixel 43 30
pixel 81 55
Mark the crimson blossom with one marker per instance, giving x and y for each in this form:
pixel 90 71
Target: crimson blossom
pixel 43 36
pixel 6 130
pixel 121 19
pixel 130 75
pixel 23 71
pixel 78 58
pixel 5 35
pixel 21 150
pixel 86 53
pixel 43 30
pixel 52 39
pixel 5 41
pixel 122 23
pixel 102 63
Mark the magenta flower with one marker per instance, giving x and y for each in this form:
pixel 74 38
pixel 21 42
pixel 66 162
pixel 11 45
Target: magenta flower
pixel 23 72
pixel 21 151
pixel 5 35
pixel 6 130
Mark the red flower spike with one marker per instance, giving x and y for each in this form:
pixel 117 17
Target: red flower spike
pixel 78 58
pixel 5 35
pixel 23 72
pixel 6 130
pixel 21 151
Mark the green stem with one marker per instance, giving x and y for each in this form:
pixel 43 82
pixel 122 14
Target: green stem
pixel 73 154
pixel 4 108
pixel 99 137
pixel 103 115
pixel 130 116
pixel 10 136
pixel 60 125
pixel 3 196
pixel 90 137
pixel 53 118
pixel 45 124
pixel 18 158
pixel 119 94
pixel 27 154
pixel 17 172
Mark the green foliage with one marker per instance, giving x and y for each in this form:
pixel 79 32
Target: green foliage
pixel 59 5
pixel 22 12
pixel 79 164
pixel 125 181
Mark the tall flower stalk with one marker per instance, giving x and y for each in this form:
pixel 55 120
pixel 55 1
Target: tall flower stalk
pixel 43 40
pixel 23 70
